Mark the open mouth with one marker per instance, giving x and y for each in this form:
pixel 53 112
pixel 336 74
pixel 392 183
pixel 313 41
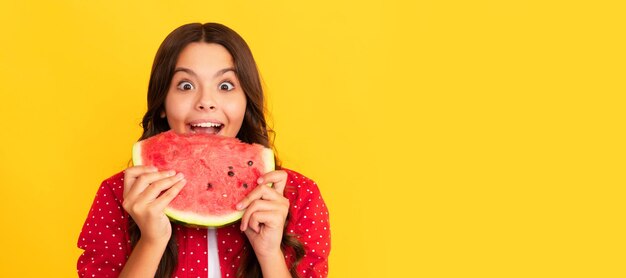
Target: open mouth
pixel 206 127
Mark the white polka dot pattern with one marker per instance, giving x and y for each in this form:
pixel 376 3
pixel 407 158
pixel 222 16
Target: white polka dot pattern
pixel 309 223
pixel 104 237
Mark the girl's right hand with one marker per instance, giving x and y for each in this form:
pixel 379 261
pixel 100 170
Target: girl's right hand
pixel 142 187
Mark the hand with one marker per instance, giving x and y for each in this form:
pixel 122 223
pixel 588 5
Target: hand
pixel 266 211
pixel 142 186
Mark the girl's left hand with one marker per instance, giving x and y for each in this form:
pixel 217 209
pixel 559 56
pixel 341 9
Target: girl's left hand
pixel 266 212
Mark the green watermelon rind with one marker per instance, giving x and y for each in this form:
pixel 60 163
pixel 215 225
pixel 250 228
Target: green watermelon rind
pixel 267 156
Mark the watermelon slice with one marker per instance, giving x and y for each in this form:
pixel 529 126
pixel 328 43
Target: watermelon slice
pixel 220 171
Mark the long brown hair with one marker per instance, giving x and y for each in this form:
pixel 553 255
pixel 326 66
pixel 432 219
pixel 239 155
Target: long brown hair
pixel 254 128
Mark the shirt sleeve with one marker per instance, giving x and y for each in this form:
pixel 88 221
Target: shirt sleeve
pixel 103 238
pixel 310 224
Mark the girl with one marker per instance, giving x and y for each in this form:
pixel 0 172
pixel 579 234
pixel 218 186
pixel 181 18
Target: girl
pixel 205 74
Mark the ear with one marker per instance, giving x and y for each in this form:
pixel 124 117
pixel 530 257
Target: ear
pixel 162 114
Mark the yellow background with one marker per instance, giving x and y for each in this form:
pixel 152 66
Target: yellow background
pixel 449 138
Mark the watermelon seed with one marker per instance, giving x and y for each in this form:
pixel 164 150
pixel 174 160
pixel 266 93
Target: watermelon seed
pixel 230 167
pixel 245 185
pixel 209 186
pixel 231 173
pixel 250 163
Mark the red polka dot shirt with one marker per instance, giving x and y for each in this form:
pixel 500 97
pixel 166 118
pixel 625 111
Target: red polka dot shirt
pixel 106 242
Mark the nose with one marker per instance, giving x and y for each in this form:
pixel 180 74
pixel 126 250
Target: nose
pixel 206 101
pixel 204 107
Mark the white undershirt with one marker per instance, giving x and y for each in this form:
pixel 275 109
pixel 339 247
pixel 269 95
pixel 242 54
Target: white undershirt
pixel 214 261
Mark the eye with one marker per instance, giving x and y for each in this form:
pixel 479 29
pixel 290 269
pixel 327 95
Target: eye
pixel 185 86
pixel 227 86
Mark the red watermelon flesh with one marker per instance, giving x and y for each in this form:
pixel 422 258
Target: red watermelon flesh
pixel 220 171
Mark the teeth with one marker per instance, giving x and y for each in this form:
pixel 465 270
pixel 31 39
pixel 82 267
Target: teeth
pixel 207 125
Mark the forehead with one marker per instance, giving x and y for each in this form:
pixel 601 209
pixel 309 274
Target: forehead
pixel 204 58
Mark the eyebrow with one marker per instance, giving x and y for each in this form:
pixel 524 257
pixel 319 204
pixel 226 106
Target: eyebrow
pixel 191 72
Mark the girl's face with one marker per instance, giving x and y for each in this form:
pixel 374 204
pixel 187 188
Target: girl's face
pixel 205 95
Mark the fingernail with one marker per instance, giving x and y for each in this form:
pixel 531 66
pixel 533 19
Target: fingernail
pixel 259 181
pixel 153 169
pixel 170 173
pixel 239 206
pixel 180 176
